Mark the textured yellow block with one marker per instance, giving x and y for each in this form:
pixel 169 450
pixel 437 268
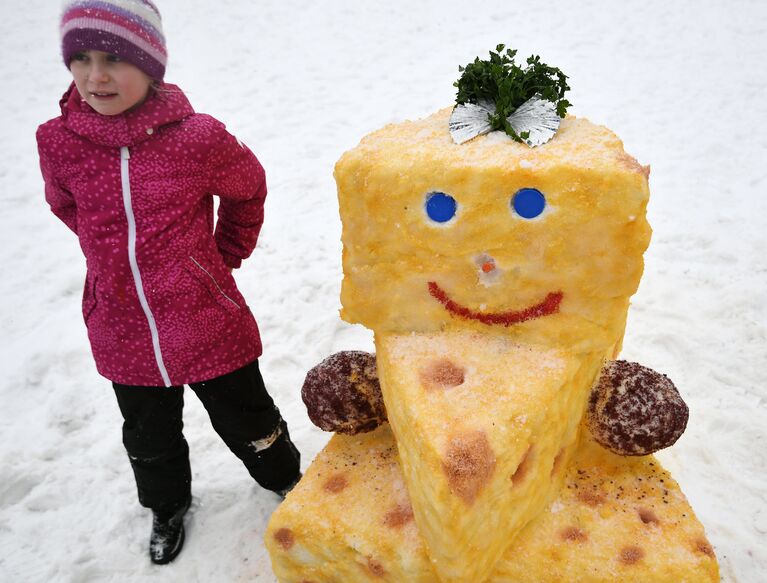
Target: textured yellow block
pixel 616 519
pixel 587 244
pixel 483 427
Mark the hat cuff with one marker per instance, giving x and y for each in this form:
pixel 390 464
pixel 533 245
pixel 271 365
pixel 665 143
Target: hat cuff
pixel 84 39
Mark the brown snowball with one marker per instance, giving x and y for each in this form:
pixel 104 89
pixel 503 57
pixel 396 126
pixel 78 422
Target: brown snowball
pixel 342 393
pixel 634 410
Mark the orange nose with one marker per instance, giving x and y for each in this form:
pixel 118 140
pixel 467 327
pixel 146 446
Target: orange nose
pixel 488 266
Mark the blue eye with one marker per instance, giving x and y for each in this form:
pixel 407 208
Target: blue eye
pixel 528 203
pixel 440 207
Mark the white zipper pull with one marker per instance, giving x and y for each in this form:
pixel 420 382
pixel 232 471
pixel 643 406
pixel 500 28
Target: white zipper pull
pixel 125 153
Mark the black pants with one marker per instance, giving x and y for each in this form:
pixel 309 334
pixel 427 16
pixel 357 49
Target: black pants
pixel 242 413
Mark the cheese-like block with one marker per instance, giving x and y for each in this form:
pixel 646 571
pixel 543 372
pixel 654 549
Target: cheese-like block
pixel 616 519
pixel 483 426
pixel 562 278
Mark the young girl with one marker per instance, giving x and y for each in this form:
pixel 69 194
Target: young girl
pixel 132 170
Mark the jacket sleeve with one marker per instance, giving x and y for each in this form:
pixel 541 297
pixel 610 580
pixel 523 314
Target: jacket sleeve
pixel 236 176
pixel 61 201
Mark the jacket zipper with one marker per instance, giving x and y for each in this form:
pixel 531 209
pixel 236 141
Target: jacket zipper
pixel 236 305
pixel 125 178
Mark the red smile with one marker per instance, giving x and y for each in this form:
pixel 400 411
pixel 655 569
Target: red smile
pixel 550 305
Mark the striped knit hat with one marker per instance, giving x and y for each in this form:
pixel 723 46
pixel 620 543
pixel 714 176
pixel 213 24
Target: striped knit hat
pixel 130 29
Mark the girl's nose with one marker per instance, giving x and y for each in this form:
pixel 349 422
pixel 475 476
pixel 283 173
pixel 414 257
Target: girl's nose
pixel 488 265
pixel 97 74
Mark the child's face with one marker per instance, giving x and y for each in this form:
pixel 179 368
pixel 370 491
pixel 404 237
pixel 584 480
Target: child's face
pixel 108 84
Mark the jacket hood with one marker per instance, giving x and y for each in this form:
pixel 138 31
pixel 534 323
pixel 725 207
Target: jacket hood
pixel 167 106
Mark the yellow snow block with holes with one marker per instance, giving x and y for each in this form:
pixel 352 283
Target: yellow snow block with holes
pixel 615 519
pixel 483 426
pixel 577 263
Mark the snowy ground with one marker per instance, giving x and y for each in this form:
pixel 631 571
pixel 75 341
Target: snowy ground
pixel 683 84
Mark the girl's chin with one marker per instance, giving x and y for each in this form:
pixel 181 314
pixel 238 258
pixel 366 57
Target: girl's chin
pixel 107 106
pixel 113 104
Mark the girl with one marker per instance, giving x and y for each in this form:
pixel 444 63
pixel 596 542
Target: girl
pixel 131 169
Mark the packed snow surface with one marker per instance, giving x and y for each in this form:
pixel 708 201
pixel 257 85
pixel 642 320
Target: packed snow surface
pixel 682 83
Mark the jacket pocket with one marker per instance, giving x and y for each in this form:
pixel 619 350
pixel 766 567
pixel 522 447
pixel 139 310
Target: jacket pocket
pixel 204 274
pixel 89 297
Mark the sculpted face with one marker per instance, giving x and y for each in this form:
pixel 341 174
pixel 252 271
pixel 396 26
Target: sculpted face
pixel 494 235
pixel 526 204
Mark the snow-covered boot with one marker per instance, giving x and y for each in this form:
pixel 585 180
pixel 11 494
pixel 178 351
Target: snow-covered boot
pixel 167 536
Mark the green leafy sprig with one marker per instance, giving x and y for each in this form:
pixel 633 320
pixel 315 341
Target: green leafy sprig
pixel 502 81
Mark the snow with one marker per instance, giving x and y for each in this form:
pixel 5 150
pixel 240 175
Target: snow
pixel 300 82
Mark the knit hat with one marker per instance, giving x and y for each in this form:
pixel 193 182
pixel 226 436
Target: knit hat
pixel 130 29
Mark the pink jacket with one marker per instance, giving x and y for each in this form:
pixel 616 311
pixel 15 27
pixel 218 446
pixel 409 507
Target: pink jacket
pixel 160 304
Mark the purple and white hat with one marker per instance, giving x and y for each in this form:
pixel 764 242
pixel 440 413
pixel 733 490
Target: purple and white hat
pixel 130 29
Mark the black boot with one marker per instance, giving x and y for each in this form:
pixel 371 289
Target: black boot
pixel 167 536
pixel 284 491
